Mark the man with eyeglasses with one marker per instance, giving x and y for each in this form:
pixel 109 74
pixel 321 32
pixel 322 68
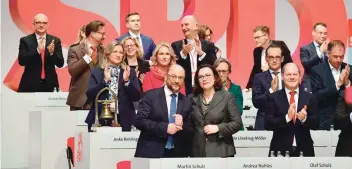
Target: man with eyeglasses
pixel 162 119
pixel 262 41
pixel 267 82
pixel 39 53
pixel 314 53
pixel 80 60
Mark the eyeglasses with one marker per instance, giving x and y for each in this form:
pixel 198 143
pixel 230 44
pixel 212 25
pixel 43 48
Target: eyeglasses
pixel 274 58
pixel 174 77
pixel 40 23
pixel 204 77
pixel 130 46
pixel 102 33
pixel 257 37
pixel 222 71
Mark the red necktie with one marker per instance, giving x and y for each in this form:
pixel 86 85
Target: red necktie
pixel 42 54
pixel 292 100
pixel 94 54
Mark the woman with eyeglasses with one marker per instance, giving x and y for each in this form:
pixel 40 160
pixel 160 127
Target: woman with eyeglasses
pixel 223 67
pixel 116 75
pixel 215 116
pixel 163 57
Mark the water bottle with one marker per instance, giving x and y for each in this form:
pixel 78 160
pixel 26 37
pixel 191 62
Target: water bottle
pixel 287 154
pixel 301 154
pixel 279 154
pixel 272 154
pixel 332 127
pixel 55 90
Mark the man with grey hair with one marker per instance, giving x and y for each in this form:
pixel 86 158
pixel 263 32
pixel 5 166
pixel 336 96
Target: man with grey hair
pixel 39 53
pixel 291 113
pixel 192 52
pixel 163 121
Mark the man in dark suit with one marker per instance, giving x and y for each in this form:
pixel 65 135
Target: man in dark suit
pixel 133 23
pixel 39 53
pixel 328 79
pixel 314 53
pixel 262 41
pixel 80 60
pixel 192 52
pixel 291 113
pixel 162 119
pixel 343 122
pixel 267 82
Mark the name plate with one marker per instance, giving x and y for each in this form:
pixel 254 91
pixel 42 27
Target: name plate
pixel 335 137
pixel 51 99
pixel 193 163
pixel 321 162
pixel 81 116
pixel 117 139
pixel 263 163
pixel 249 116
pixel 252 138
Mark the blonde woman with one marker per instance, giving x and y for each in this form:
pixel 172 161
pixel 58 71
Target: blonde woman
pixel 80 36
pixel 116 75
pixel 163 57
pixel 134 54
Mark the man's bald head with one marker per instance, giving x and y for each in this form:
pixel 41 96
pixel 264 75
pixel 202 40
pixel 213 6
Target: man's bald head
pixel 40 17
pixel 40 24
pixel 190 25
pixel 175 68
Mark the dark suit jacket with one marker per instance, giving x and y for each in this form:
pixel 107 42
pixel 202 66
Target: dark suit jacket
pixel 152 120
pixel 126 96
pixel 80 73
pixel 277 108
pixel 257 54
pixel 29 57
pixel 260 94
pixel 343 122
pixel 207 47
pixel 324 87
pixel 223 112
pixel 309 59
pixel 147 42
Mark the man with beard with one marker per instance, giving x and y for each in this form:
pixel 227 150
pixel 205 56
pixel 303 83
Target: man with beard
pixel 80 60
pixel 162 119
pixel 192 52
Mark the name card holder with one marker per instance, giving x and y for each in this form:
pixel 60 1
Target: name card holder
pixel 252 138
pixel 261 162
pixel 51 99
pixel 114 138
pixel 193 163
pixel 321 162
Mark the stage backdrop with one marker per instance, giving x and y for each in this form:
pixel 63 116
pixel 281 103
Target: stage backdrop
pixel 232 22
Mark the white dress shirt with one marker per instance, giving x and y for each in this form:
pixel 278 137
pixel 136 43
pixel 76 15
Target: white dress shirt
pixel 280 79
pixel 138 37
pixel 38 40
pixel 336 74
pixel 317 48
pixel 193 58
pixel 262 59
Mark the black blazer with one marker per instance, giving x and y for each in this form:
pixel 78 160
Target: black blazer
pixel 275 120
pixel 309 58
pixel 208 48
pixel 152 120
pixel 257 54
pixel 343 122
pixel 29 57
pixel 324 87
pixel 126 95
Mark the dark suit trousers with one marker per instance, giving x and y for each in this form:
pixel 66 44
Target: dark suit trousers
pixel 44 87
pixel 169 153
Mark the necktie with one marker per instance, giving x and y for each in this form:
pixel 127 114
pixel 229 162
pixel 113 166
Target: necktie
pixel 94 54
pixel 292 100
pixel 278 79
pixel 42 54
pixel 170 143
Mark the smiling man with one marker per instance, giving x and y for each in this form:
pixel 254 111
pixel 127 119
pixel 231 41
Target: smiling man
pixel 192 52
pixel 133 23
pixel 39 53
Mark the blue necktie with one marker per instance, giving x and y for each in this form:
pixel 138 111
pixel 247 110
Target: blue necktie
pixel 170 143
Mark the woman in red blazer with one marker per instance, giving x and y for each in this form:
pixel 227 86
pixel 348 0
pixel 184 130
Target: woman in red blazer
pixel 163 57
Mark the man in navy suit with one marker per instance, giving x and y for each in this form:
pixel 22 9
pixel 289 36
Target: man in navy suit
pixel 314 53
pixel 133 23
pixel 267 82
pixel 328 79
pixel 291 113
pixel 162 119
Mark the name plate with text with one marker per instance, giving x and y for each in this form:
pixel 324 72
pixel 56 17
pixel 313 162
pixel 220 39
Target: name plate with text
pixel 249 116
pixel 51 99
pixel 252 138
pixel 321 163
pixel 262 163
pixel 335 137
pixel 321 138
pixel 118 140
pixel 193 163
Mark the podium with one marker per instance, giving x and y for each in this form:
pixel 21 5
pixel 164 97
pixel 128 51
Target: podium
pixel 104 148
